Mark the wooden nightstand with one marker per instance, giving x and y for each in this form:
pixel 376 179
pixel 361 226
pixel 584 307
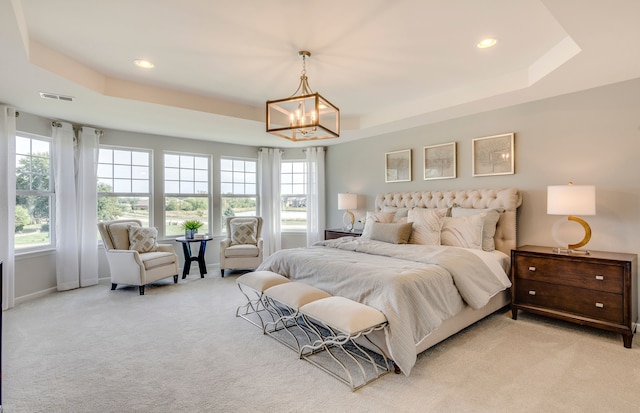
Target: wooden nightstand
pixel 339 233
pixel 597 290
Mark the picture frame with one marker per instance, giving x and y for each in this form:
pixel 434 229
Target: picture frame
pixel 493 155
pixel 440 161
pixel 397 166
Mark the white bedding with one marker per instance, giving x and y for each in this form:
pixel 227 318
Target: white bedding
pixel 417 287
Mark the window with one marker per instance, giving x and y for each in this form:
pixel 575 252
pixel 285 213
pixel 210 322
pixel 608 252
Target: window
pixel 124 184
pixel 238 188
pixel 186 192
pixel 35 198
pixel 293 190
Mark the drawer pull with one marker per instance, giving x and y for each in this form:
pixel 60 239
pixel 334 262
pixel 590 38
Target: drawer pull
pixel 532 292
pixel 600 277
pixel 599 305
pixel 532 269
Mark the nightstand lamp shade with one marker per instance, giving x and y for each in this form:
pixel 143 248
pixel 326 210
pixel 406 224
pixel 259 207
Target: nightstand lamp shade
pixel 347 202
pixel 571 200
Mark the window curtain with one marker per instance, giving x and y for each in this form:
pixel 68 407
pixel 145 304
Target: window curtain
pixel 315 195
pixel 76 206
pixel 269 193
pixel 7 203
pixel 86 160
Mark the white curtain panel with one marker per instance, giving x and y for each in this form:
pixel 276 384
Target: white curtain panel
pixel 67 244
pixel 315 195
pixel 269 193
pixel 86 160
pixel 7 203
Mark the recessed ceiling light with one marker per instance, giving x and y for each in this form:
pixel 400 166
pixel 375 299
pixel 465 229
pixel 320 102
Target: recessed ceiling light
pixel 485 43
pixel 143 63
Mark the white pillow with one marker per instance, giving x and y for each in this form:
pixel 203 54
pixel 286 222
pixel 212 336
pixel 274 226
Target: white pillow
pixel 489 226
pixel 143 239
pixel 427 224
pixel 465 232
pixel 372 217
pixel 399 212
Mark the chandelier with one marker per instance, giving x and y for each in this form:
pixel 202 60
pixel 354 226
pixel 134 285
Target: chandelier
pixel 304 115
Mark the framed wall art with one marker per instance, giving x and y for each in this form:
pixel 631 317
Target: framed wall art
pixel 440 161
pixel 493 155
pixel 397 166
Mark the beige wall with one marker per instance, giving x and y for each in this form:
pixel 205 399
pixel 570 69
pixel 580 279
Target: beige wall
pixel 590 137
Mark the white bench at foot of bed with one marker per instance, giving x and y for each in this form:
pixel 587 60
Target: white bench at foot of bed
pixel 284 301
pixel 341 322
pixel 327 325
pixel 253 285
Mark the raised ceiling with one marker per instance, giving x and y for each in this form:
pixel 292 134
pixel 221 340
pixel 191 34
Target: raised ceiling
pixel 388 65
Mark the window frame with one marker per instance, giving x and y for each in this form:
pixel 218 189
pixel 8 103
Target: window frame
pixel 118 195
pixel 254 161
pixel 50 193
pixel 165 194
pixel 305 195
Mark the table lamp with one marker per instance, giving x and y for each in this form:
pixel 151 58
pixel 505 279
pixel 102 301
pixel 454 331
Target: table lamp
pixel 571 200
pixel 347 202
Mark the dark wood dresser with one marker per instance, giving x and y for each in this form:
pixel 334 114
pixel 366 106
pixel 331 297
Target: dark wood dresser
pixel 339 233
pixel 597 290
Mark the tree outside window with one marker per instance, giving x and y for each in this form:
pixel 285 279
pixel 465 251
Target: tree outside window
pixel 34 193
pixel 124 184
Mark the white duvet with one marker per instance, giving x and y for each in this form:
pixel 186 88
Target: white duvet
pixel 416 287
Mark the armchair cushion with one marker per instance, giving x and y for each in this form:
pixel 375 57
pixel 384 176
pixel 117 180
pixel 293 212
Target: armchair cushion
pixel 245 250
pixel 119 233
pixel 244 232
pixel 156 259
pixel 143 239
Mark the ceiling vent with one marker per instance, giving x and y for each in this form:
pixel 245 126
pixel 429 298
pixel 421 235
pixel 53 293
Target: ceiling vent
pixel 53 96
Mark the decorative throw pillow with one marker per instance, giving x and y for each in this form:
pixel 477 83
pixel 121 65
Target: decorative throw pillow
pixel 427 224
pixel 489 226
pixel 465 232
pixel 243 232
pixel 393 233
pixel 372 217
pixel 143 239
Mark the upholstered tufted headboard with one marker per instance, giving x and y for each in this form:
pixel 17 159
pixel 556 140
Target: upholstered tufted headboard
pixel 508 199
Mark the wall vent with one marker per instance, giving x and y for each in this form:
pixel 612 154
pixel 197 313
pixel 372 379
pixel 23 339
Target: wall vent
pixel 53 96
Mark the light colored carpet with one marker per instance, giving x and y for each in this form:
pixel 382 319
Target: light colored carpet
pixel 180 348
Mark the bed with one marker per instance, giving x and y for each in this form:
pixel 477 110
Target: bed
pixel 434 262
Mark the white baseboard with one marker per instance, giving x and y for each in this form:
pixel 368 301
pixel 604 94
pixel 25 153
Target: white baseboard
pixel 33 296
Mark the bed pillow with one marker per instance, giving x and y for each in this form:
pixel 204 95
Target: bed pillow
pixel 143 239
pixel 399 212
pixel 427 224
pixel 244 232
pixel 393 233
pixel 373 217
pixel 465 231
pixel 489 225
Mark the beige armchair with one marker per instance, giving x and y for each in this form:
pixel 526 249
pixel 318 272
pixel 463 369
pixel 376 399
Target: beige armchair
pixel 128 266
pixel 242 249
